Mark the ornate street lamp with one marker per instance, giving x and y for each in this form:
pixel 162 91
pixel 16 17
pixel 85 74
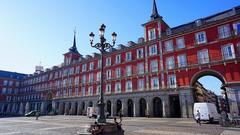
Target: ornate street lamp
pixel 102 47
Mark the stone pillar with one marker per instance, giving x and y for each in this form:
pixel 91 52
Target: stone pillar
pixel 79 109
pixel 21 109
pixel 13 108
pixel 112 108
pixel 27 107
pixel 124 108
pixel 8 108
pixel 149 107
pixel 186 103
pixel 35 106
pixel 165 106
pixel 136 107
pixel 66 112
pixel 60 108
pixel 43 108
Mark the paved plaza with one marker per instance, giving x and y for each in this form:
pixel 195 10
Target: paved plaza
pixel 69 125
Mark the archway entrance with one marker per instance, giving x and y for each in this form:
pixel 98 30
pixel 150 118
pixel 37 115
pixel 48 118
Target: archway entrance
pixel 75 108
pixel 90 104
pixel 49 107
pixel 157 107
pixel 83 108
pixel 119 107
pixel 130 107
pixel 109 104
pixel 175 110
pixel 206 86
pixel 142 107
pixel 63 108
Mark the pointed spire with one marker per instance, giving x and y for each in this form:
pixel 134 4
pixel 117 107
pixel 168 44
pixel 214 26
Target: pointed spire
pixel 155 14
pixel 73 49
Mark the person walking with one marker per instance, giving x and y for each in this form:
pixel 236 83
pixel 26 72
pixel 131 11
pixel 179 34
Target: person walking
pixel 198 117
pixel 37 114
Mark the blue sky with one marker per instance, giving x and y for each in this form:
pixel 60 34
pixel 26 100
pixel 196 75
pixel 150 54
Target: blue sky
pixel 33 31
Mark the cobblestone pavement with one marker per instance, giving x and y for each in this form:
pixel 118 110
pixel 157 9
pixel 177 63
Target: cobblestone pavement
pixel 69 125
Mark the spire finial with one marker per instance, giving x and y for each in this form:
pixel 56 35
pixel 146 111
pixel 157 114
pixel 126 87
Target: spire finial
pixel 73 49
pixel 155 14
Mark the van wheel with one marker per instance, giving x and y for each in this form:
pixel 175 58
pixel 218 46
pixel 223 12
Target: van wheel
pixel 211 120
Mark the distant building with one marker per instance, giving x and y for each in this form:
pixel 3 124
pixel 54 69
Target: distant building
pixel 204 95
pixel 155 76
pixel 10 84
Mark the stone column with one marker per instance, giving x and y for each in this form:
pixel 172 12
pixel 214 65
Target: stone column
pixel 8 108
pixel 21 109
pixel 124 108
pixel 43 108
pixel 149 107
pixel 186 103
pixel 13 108
pixel 27 107
pixel 79 108
pixel 60 108
pixel 113 108
pixel 165 106
pixel 136 107
pixel 66 109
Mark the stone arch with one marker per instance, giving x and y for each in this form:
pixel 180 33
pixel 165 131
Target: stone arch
pixel 90 104
pixel 157 107
pixel 75 108
pixel 118 107
pixel 130 107
pixel 109 107
pixel 83 108
pixel 206 72
pixel 142 107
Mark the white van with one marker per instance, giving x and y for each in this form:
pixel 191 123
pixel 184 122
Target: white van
pixel 92 112
pixel 208 111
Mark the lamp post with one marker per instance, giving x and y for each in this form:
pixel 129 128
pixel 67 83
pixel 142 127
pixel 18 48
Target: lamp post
pixel 102 47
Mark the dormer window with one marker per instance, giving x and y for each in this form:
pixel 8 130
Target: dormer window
pixel 168 31
pixel 198 22
pixel 152 34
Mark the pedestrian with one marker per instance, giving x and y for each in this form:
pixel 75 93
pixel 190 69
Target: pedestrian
pixel 37 114
pixel 120 116
pixel 198 117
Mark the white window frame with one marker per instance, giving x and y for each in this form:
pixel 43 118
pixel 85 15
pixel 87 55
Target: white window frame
pixel 118 59
pixel 118 72
pixel 108 88
pixel 90 90
pixel 226 55
pixel 140 68
pixel 141 84
pixel 118 87
pixel 83 90
pixel 205 59
pixel 154 66
pixel 180 62
pixel 99 63
pixel 235 28
pixel 98 76
pixel 172 78
pixel 109 74
pixel 224 31
pixel 128 70
pixel 128 56
pixel 201 37
pixel 140 53
pixel 108 61
pixel 91 78
pixel 91 66
pixel 168 46
pixel 84 67
pixel 153 50
pixel 128 86
pixel 153 81
pixel 170 63
pixel 152 34
pixel 180 43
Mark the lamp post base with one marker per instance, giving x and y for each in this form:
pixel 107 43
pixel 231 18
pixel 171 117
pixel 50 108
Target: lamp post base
pixel 102 128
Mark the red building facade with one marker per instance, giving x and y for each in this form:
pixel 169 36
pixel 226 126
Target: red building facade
pixel 152 77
